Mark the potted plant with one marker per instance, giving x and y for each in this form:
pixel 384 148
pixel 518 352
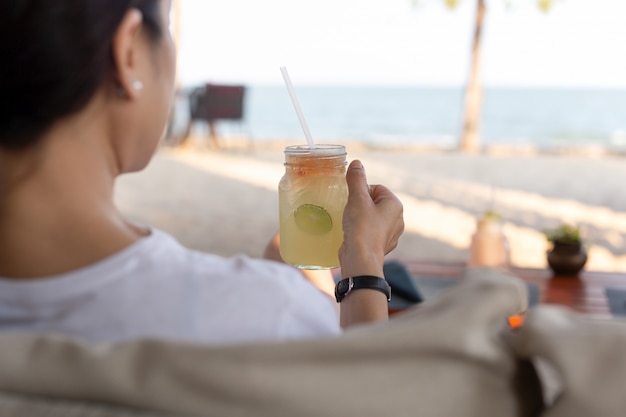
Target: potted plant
pixel 568 255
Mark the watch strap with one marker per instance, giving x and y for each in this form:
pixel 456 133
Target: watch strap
pixel 370 282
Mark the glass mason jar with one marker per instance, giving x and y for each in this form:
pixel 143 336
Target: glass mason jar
pixel 312 196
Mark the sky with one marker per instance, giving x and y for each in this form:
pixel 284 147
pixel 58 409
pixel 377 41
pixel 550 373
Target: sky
pixel 578 43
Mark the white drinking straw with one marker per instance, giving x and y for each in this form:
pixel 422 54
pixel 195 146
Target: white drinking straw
pixel 296 105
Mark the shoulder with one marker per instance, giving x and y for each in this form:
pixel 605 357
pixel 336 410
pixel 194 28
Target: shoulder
pixel 165 253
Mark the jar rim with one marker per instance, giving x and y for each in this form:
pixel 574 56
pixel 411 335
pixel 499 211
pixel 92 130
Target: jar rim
pixel 317 150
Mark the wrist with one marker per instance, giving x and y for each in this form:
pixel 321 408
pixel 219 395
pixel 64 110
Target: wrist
pixel 361 262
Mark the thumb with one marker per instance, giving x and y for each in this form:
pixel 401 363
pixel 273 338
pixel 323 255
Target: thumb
pixel 357 181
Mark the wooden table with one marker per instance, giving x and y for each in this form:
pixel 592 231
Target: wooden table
pixel 585 293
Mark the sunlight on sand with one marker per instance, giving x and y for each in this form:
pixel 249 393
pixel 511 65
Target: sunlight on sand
pixel 245 169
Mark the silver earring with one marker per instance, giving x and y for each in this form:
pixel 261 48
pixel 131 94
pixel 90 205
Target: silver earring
pixel 137 85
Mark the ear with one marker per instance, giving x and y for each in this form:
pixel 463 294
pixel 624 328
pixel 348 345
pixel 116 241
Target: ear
pixel 126 50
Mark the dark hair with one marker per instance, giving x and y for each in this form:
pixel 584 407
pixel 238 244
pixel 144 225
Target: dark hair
pixel 54 56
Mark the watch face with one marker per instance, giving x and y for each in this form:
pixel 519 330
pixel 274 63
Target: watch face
pixel 342 288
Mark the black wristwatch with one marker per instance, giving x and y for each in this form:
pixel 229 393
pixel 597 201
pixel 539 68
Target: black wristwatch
pixel 346 285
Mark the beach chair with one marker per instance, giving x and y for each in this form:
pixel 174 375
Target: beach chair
pixel 213 102
pixel 452 356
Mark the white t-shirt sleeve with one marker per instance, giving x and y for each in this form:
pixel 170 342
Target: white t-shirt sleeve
pixel 309 313
pixel 273 301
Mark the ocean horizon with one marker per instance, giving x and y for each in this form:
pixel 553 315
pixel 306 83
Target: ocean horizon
pixel 543 118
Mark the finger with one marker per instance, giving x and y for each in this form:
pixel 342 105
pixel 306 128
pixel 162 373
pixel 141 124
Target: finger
pixel 380 193
pixel 357 180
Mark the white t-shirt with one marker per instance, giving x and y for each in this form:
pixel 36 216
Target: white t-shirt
pixel 158 288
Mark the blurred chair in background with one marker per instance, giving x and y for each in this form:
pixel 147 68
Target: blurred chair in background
pixel 210 103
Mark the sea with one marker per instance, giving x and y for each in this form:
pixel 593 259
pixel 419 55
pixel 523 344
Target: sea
pixel 541 118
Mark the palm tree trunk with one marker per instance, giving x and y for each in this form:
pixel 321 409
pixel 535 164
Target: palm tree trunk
pixel 470 137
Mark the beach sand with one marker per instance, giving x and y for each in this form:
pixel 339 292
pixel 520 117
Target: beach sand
pixel 225 201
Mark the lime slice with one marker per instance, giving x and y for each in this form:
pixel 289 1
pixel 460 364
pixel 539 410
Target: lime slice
pixel 313 219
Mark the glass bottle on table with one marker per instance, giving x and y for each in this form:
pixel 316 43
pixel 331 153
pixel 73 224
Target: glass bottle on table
pixel 489 245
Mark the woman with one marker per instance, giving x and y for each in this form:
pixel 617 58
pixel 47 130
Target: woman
pixel 87 90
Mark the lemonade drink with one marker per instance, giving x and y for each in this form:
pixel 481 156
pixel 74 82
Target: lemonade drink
pixel 312 196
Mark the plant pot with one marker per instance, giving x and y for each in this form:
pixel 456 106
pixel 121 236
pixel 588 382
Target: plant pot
pixel 567 259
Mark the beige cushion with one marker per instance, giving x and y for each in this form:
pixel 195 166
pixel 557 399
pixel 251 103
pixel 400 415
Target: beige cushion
pixel 582 361
pixel 445 358
pixel 14 405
